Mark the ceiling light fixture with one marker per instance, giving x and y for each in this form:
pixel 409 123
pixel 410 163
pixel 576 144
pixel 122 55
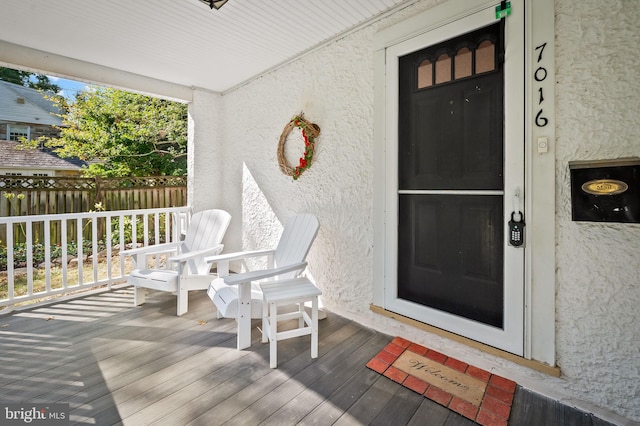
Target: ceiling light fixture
pixel 217 4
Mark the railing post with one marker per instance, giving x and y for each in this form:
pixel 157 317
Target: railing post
pixel 134 231
pixel 80 253
pixel 30 247
pixel 122 243
pixel 156 228
pixel 94 247
pixel 108 244
pixel 47 255
pixel 10 272
pixel 64 246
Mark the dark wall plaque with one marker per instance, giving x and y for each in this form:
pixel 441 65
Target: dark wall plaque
pixel 606 190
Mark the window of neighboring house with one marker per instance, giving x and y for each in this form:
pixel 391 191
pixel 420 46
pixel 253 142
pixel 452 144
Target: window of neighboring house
pixel 41 174
pixel 15 133
pixel 13 174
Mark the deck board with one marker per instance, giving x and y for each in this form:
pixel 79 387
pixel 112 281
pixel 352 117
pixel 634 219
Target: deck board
pixel 123 365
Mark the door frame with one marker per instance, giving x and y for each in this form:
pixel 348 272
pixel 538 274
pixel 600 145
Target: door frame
pixel 539 288
pixel 511 337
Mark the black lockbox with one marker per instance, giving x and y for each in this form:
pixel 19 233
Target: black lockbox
pixel 606 190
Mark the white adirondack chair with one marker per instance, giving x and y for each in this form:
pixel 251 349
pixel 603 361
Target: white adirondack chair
pixel 239 295
pixel 188 269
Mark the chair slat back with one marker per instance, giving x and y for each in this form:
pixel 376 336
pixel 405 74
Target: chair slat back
pixel 206 229
pixel 297 236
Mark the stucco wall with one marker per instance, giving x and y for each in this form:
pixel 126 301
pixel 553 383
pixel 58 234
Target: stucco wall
pixel 333 87
pixel 598 282
pixel 597 117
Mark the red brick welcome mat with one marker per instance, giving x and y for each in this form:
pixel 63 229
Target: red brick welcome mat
pixel 472 392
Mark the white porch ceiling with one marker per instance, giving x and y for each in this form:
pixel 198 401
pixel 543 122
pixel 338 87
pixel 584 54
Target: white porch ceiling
pixel 183 41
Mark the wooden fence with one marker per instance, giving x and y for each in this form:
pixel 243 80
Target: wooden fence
pixel 32 195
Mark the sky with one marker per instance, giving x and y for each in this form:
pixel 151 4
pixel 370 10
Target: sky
pixel 69 87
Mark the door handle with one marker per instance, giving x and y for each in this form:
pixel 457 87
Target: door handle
pixel 516 224
pixel 516 205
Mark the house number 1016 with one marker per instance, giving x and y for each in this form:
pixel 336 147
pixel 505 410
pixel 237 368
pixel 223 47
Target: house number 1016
pixel 540 75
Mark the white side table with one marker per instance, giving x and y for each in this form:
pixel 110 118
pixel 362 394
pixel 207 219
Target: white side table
pixel 287 292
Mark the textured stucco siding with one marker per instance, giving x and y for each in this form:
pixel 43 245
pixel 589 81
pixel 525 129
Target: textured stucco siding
pixel 598 265
pixel 334 89
pixel 598 283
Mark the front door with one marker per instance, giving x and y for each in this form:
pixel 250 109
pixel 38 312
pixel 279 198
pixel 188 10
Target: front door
pixel 460 171
pixel 450 172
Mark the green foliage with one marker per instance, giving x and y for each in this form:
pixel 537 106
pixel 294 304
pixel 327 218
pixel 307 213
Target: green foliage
pixel 124 134
pixel 128 230
pixel 20 251
pixel 25 78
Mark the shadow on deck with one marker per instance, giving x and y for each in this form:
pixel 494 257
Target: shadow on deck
pixel 118 364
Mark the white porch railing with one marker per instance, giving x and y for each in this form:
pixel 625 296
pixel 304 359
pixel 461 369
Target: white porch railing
pixel 92 239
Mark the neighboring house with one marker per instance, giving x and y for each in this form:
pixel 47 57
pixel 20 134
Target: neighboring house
pixel 571 93
pixel 25 112
pixel 18 161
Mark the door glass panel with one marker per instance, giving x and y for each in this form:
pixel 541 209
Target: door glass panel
pixel 485 57
pixel 463 63
pixel 425 74
pixel 443 69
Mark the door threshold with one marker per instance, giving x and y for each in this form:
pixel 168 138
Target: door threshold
pixel 534 365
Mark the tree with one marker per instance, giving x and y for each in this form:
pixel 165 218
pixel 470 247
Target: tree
pixel 124 134
pixel 29 79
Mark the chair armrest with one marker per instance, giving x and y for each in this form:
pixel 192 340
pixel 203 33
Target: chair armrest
pixel 193 254
pixel 140 254
pixel 230 257
pixel 156 248
pixel 265 273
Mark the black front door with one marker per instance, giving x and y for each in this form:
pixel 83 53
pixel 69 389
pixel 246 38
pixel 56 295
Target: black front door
pixel 451 176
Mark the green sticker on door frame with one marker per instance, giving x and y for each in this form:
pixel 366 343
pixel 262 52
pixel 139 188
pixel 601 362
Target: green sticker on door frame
pixel 503 10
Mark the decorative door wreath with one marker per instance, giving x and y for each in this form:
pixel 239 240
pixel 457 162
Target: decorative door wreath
pixel 310 132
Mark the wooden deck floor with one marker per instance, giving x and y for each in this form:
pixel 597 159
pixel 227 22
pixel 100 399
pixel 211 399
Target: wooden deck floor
pixel 116 364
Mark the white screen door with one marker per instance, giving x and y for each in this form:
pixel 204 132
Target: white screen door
pixel 432 221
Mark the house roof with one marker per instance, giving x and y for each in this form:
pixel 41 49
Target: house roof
pixel 16 158
pixel 182 42
pixel 25 105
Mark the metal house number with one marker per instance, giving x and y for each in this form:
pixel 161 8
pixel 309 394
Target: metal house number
pixel 540 75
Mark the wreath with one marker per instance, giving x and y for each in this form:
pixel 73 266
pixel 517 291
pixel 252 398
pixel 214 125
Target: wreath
pixel 310 132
